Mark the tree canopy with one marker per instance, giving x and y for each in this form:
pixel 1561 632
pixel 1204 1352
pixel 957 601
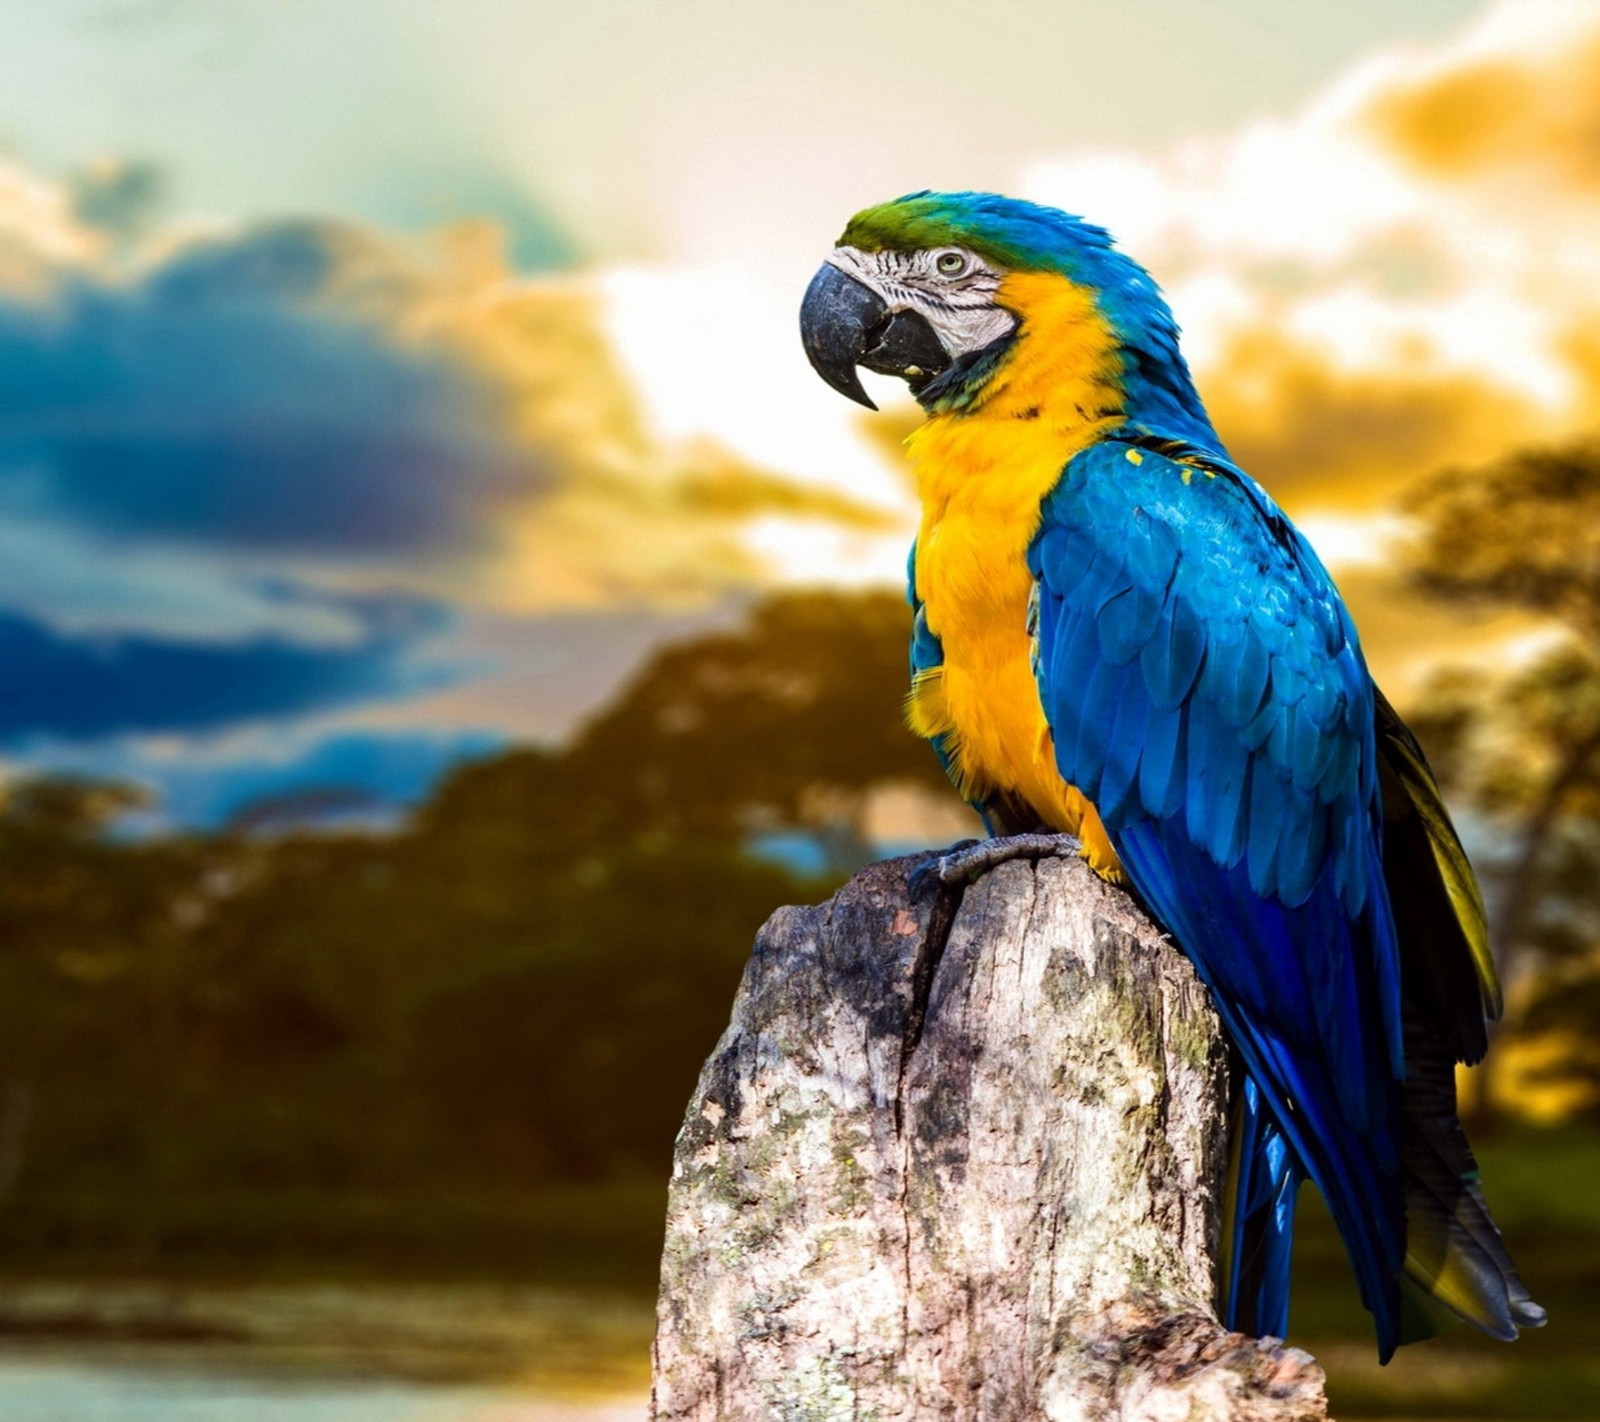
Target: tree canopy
pixel 1522 747
pixel 516 986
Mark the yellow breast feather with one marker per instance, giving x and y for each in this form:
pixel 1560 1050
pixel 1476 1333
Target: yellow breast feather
pixel 982 473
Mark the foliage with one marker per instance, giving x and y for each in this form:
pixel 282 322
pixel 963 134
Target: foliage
pixel 1540 1186
pixel 514 989
pixel 791 720
pixel 1523 749
pixel 1524 531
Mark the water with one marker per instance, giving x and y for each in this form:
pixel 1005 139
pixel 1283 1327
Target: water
pixel 67 1390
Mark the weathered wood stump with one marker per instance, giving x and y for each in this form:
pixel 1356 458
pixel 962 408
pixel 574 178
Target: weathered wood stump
pixel 960 1156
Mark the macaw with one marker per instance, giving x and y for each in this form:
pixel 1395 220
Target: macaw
pixel 1119 637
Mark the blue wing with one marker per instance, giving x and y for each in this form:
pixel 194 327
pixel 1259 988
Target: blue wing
pixel 1206 692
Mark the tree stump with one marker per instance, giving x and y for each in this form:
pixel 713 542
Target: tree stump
pixel 960 1155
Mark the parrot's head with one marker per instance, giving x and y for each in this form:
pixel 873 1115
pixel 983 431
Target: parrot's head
pixel 938 288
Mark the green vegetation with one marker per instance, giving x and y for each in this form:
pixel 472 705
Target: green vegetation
pixel 1522 749
pixel 1541 1185
pixel 463 1047
pixel 460 1051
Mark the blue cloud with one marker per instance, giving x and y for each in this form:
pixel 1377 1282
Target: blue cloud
pixel 83 688
pixel 251 394
pixel 376 774
pixel 273 776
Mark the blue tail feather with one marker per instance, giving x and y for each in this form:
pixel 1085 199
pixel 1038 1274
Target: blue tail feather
pixel 1333 1133
pixel 1264 1180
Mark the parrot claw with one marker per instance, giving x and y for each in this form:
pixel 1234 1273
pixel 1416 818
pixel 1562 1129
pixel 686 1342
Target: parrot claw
pixel 929 874
pixel 969 859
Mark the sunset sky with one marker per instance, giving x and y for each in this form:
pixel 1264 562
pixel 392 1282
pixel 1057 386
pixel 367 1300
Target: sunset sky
pixel 380 379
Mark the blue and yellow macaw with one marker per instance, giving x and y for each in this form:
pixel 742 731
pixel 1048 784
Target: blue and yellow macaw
pixel 1120 637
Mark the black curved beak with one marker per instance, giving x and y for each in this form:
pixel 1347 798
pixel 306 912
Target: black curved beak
pixel 844 323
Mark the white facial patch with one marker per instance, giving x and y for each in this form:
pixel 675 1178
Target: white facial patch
pixel 959 304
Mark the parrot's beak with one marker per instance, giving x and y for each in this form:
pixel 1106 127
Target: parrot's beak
pixel 844 323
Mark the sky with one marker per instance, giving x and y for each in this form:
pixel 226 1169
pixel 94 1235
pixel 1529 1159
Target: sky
pixel 381 379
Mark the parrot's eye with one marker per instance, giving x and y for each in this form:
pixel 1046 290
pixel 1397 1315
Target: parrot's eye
pixel 950 263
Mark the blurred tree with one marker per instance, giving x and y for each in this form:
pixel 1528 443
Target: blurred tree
pixel 76 905
pixel 68 807
pixel 790 722
pixel 576 1062
pixel 1525 533
pixel 513 987
pixel 325 805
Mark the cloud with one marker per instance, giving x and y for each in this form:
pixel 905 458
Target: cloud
pixel 40 233
pixel 521 679
pixel 375 773
pixel 75 688
pixel 252 393
pixel 1527 116
pixel 1410 238
pixel 411 195
pixel 254 477
pixel 209 436
pixel 321 399
pixel 1320 435
pixel 535 678
pixel 80 583
pixel 644 511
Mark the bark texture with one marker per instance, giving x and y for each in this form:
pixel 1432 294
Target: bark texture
pixel 960 1155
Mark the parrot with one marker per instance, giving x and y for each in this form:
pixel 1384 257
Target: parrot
pixel 1121 643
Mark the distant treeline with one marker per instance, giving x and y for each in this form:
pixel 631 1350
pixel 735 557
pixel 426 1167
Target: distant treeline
pixel 514 989
pixel 265 1044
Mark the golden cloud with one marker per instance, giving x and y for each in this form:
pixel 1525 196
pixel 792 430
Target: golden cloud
pixel 1520 115
pixel 630 517
pixel 1463 122
pixel 40 234
pixel 1323 437
pixel 1406 636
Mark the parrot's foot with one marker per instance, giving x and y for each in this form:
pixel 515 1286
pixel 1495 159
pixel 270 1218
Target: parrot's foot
pixel 964 862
